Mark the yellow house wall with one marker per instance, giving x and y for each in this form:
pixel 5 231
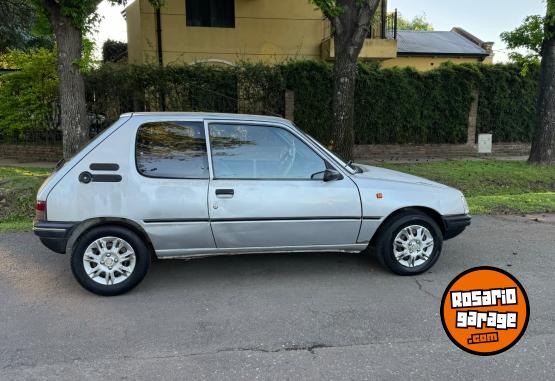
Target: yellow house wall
pixel 134 33
pixel 425 63
pixel 372 48
pixel 265 30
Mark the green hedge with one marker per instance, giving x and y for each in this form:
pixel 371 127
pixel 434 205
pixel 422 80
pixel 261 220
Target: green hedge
pixel 406 106
pixel 393 106
pixel 508 102
pixel 116 89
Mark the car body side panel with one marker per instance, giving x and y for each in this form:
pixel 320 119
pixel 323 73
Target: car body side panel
pixel 72 200
pixel 58 175
pixel 266 213
pixel 368 229
pixel 172 211
pixel 398 195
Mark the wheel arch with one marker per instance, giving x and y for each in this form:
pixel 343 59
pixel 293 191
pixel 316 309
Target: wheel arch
pixel 92 223
pixel 432 213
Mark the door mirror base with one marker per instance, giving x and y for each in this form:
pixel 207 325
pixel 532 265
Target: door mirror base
pixel 332 175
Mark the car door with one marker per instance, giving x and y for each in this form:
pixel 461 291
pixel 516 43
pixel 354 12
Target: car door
pixel 172 185
pixel 267 191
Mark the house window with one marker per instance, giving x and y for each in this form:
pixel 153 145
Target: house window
pixel 211 13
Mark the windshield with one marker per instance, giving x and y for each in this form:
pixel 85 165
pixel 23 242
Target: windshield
pixel 348 166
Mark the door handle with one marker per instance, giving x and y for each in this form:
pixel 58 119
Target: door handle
pixel 225 192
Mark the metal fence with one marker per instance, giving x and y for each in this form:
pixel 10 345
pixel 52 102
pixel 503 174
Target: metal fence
pixel 51 137
pixel 33 137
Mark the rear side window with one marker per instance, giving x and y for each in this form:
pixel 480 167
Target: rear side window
pixel 174 150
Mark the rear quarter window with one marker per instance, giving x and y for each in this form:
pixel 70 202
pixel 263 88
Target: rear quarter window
pixel 174 150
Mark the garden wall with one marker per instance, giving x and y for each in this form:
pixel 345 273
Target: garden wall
pixel 31 153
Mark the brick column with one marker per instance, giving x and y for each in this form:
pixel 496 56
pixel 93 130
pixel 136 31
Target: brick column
pixel 473 118
pixel 290 105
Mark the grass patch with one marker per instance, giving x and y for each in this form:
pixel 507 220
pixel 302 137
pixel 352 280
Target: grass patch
pixel 18 189
pixel 493 186
pixel 485 177
pixel 513 204
pixel 16 225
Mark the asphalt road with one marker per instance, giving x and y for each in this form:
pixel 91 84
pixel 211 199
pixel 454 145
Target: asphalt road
pixel 296 316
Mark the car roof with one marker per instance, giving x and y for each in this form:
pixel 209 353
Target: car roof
pixel 208 115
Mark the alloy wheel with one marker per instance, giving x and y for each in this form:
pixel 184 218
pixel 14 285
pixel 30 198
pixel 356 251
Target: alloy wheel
pixel 109 260
pixel 413 246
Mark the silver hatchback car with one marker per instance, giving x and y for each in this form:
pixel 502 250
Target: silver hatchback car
pixel 187 185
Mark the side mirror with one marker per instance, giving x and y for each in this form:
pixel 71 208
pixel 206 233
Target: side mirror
pixel 332 175
pixel 327 175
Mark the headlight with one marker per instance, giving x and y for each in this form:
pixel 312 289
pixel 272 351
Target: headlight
pixel 465 205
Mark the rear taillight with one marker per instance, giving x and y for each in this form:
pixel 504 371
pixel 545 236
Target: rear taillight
pixel 40 211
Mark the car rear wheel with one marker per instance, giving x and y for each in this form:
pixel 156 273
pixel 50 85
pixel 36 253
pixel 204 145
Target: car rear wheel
pixel 110 260
pixel 410 244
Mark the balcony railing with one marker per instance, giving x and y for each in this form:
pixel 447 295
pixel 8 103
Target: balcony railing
pixel 385 28
pixel 391 24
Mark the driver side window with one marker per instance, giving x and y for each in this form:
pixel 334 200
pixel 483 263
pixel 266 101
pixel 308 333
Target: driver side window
pixel 252 152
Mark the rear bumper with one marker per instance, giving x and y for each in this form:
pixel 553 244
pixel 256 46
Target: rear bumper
pixel 54 235
pixel 455 225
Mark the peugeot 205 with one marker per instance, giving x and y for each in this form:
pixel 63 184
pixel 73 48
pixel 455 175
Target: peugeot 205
pixel 187 185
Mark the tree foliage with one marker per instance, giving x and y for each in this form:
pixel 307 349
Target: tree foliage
pixel 330 8
pixel 418 23
pixel 528 37
pixel 83 12
pixel 23 26
pixel 28 96
pixel 114 51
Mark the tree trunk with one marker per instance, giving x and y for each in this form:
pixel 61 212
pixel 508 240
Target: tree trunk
pixel 543 145
pixel 350 29
pixel 72 86
pixel 344 83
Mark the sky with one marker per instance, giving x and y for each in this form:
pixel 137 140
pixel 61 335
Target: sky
pixel 486 19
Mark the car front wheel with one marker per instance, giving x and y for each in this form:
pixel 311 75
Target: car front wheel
pixel 110 260
pixel 410 244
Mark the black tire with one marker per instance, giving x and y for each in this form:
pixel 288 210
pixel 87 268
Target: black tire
pixel 386 236
pixel 142 260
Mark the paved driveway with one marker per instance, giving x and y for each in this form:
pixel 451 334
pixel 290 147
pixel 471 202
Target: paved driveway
pixel 298 316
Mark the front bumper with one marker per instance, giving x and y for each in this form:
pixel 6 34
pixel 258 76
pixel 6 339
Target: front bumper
pixel 455 225
pixel 54 235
